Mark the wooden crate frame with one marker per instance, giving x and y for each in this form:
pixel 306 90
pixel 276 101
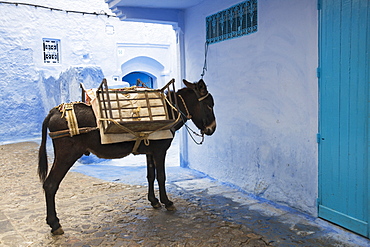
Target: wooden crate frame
pixel 155 114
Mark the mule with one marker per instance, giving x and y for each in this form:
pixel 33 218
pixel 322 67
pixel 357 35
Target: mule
pixel 194 100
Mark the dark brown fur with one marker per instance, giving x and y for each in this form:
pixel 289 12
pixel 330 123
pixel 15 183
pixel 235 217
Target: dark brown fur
pixel 67 150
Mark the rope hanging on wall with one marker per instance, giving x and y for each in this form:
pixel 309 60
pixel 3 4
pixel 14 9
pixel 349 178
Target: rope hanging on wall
pixel 67 11
pixel 205 59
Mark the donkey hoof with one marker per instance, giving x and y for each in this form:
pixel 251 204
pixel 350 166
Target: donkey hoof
pixel 58 231
pixel 171 208
pixel 156 205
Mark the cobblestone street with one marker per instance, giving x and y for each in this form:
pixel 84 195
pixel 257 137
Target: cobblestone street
pixel 98 213
pixel 94 212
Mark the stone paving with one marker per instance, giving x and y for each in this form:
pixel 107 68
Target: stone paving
pixel 95 212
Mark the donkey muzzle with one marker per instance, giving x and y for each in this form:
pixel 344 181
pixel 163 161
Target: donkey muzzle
pixel 210 129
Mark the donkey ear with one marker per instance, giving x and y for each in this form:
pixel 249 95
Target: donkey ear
pixel 189 84
pixel 202 87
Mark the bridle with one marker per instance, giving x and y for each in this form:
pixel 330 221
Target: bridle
pixel 189 116
pixel 202 98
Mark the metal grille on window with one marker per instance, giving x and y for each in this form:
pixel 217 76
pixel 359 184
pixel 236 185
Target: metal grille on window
pixel 236 21
pixel 51 49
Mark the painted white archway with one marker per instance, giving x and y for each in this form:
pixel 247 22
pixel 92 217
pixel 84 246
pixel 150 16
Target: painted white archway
pixel 146 65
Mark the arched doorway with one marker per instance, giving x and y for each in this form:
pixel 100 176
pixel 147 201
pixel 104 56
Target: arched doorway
pixel 147 79
pixel 146 69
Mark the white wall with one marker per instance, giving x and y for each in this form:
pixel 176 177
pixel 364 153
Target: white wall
pixel 29 88
pixel 266 101
pixel 157 58
pixel 83 37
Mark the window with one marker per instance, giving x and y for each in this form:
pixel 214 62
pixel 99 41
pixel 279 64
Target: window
pixel 51 50
pixel 236 21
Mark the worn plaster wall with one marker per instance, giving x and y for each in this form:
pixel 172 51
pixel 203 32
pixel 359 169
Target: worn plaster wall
pixel 266 104
pixel 89 52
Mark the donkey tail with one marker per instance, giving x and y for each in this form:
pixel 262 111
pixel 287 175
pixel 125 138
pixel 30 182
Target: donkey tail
pixel 43 158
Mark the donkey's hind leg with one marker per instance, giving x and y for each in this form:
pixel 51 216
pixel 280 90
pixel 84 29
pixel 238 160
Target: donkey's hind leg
pixel 151 177
pixel 63 161
pixel 159 160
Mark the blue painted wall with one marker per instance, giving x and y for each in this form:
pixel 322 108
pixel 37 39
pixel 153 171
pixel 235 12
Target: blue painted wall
pixel 26 100
pixel 20 98
pixel 266 101
pixel 89 51
pixel 28 87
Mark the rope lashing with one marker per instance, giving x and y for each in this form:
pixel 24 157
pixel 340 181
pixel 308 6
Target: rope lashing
pixel 65 133
pixel 140 136
pixel 68 112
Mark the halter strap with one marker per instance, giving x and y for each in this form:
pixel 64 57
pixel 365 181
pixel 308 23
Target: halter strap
pixel 188 116
pixel 202 98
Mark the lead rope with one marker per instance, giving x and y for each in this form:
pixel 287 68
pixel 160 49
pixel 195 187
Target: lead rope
pixel 205 59
pixel 195 133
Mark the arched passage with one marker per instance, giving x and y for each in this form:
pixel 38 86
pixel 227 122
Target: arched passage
pixel 132 78
pixel 146 69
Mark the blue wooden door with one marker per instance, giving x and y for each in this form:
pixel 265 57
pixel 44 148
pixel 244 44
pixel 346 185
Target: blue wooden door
pixel 344 113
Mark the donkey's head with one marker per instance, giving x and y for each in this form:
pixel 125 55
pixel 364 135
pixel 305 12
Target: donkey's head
pixel 200 105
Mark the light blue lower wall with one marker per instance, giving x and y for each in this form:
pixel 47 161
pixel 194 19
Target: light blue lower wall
pixel 20 98
pixel 266 104
pixel 27 95
pixel 66 88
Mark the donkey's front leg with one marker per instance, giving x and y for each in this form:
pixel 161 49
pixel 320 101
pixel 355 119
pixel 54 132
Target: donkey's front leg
pixel 161 179
pixel 151 177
